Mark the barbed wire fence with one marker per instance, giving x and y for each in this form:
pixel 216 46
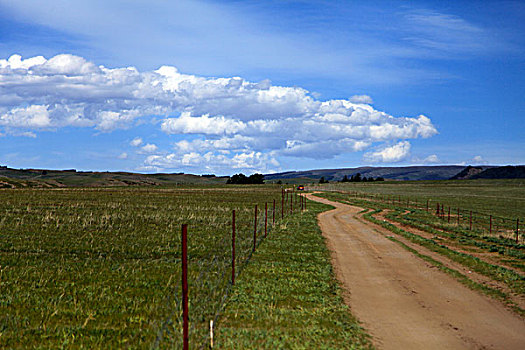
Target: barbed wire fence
pixel 472 220
pixel 211 275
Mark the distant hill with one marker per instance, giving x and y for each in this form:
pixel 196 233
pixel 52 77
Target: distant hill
pixel 468 172
pixel 502 172
pixel 71 178
pixel 19 178
pixel 443 172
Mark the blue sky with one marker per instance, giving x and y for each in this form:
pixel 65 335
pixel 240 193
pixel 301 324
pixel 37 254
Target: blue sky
pixel 260 85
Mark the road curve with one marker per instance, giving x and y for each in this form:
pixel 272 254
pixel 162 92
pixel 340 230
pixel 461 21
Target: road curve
pixel 405 302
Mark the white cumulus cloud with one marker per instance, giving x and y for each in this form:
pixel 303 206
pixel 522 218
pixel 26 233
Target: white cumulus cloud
pixel 149 148
pixel 478 160
pixel 186 124
pixel 233 121
pixel 361 99
pixel 216 162
pixel 431 159
pixel 137 141
pixel 392 154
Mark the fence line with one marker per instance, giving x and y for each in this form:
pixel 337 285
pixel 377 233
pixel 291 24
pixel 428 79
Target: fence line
pixel 190 319
pixel 472 220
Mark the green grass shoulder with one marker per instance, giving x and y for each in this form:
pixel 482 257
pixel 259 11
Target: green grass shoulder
pixel 287 296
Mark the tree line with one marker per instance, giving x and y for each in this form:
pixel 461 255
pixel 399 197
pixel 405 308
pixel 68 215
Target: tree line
pixel 354 178
pixel 241 179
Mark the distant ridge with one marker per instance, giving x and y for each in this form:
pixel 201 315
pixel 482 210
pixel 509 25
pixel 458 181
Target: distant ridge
pixel 16 178
pixel 467 173
pixel 502 172
pixel 440 172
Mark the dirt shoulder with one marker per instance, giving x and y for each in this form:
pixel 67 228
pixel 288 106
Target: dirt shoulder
pixel 517 299
pixel 489 257
pixel 405 302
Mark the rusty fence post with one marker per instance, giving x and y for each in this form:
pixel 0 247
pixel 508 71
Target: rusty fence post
pixel 233 247
pixel 282 207
pixel 273 213
pixel 265 219
pixel 255 229
pixel 185 318
pixel 517 231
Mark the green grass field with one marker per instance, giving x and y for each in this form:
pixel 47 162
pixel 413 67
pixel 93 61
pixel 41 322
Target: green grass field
pixel 287 297
pixel 505 198
pixel 100 268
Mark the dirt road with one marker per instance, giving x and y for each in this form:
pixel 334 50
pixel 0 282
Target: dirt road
pixel 405 302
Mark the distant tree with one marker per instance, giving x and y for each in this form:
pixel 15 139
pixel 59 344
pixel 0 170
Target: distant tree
pixel 279 182
pixel 256 179
pixel 241 179
pixel 357 177
pixel 364 179
pixel 345 179
pixel 237 179
pixel 380 178
pixel 322 180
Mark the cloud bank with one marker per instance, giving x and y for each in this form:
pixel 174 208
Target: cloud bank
pixel 233 122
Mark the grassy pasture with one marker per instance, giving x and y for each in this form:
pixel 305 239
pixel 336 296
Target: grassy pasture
pixel 505 198
pixel 288 298
pixel 101 267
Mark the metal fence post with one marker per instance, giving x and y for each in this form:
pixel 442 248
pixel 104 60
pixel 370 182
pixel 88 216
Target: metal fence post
pixel 273 213
pixel 517 231
pixel 282 207
pixel 265 219
pixel 233 247
pixel 185 328
pixel 255 229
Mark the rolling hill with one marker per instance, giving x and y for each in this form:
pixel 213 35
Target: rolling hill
pixel 16 178
pixel 444 172
pixel 71 178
